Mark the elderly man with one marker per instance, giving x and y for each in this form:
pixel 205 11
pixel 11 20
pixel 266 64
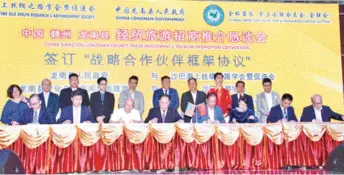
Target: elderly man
pixel 127 114
pixel 163 113
pixel 317 112
pixel 37 114
pixel 50 100
pixel 213 114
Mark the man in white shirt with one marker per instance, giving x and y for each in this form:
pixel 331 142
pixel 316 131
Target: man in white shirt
pixel 266 100
pixel 317 112
pixel 50 100
pixel 127 114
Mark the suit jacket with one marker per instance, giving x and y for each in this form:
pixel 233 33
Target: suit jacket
pixel 106 108
pixel 262 103
pixel 172 115
pixel 224 100
pixel 172 93
pixel 187 98
pixel 53 103
pixel 65 97
pixel 308 114
pixel 45 117
pixel 67 114
pixel 276 114
pixel 138 100
pixel 218 115
pixel 249 102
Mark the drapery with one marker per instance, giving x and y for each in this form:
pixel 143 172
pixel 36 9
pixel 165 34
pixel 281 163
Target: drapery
pixel 111 147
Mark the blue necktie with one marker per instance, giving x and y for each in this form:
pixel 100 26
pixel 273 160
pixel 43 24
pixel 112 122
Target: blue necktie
pixel 102 97
pixel 285 114
pixel 165 92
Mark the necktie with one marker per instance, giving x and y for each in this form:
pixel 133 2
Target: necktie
pixel 285 115
pixel 165 92
pixel 163 116
pixel 240 96
pixel 102 97
pixel 35 117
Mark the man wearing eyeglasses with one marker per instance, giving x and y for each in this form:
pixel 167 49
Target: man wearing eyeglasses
pixel 36 114
pixel 317 112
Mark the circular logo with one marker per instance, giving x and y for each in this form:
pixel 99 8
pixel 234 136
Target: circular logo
pixel 213 15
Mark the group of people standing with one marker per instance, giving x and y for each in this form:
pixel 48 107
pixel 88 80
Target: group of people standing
pixel 220 106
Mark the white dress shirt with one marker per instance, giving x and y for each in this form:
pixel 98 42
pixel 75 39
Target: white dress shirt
pixel 132 95
pixel 120 114
pixel 74 89
pixel 242 94
pixel 164 90
pixel 46 98
pixel 76 114
pixel 269 100
pixel 194 95
pixel 318 114
pixel 211 114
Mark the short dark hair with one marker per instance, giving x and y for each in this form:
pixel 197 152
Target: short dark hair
pixel 216 74
pixel 238 82
pixel 211 95
pixel 194 79
pixel 101 79
pixel 164 95
pixel 76 93
pixel 266 80
pixel 243 98
pixel 165 77
pixel 35 95
pixel 134 77
pixel 287 96
pixel 73 75
pixel 11 88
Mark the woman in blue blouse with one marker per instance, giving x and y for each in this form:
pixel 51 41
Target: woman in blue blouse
pixel 15 107
pixel 242 114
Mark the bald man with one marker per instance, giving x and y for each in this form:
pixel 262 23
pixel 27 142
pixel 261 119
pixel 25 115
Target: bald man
pixel 36 114
pixel 50 100
pixel 317 112
pixel 127 114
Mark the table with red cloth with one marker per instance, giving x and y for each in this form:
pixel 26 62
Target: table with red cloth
pixel 114 147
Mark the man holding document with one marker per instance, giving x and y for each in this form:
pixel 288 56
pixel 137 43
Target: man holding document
pixel 191 98
pixel 207 112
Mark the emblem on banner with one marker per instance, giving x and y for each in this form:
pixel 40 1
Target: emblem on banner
pixel 213 15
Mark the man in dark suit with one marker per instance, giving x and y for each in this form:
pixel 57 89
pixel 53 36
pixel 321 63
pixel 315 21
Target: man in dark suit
pixel 282 112
pixel 193 96
pixel 76 113
pixel 65 94
pixel 240 87
pixel 166 90
pixel 36 114
pixel 319 112
pixel 50 100
pixel 102 102
pixel 163 113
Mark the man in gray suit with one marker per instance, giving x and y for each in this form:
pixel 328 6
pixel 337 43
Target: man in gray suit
pixel 266 100
pixel 132 93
